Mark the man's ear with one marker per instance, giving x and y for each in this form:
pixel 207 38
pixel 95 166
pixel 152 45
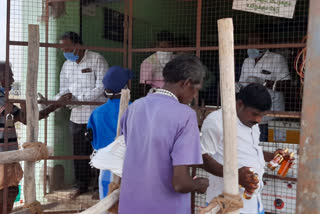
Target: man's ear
pixel 239 104
pixel 186 83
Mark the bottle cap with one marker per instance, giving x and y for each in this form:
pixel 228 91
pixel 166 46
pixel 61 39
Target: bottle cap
pixel 291 154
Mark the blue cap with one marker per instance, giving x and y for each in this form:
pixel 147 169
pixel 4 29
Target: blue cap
pixel 116 78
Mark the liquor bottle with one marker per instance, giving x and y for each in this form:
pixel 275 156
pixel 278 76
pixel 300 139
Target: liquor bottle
pixel 285 166
pixel 247 195
pixel 276 161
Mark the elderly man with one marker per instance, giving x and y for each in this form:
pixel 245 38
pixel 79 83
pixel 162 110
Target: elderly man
pixel 162 138
pixel 252 103
pixel 81 76
pixel 14 171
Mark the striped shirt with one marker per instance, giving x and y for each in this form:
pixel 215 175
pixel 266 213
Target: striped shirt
pixel 11 131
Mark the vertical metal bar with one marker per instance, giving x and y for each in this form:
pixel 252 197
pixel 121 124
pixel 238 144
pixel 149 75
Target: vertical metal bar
pixel 308 192
pixel 196 99
pixel 198 36
pixel 46 92
pixel 193 194
pixel 125 33
pixel 198 41
pixel 5 188
pixel 130 35
pixel 80 19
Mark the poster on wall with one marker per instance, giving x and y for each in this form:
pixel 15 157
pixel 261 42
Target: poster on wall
pixel 279 8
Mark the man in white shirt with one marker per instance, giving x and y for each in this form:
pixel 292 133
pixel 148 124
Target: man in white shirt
pixel 252 103
pixel 270 69
pixel 81 75
pixel 151 68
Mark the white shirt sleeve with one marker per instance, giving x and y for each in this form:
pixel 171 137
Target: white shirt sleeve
pixel 281 70
pixel 211 136
pixel 64 83
pixel 101 68
pixel 244 73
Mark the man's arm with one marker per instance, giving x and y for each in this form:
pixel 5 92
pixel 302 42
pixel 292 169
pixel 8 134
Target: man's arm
pixel 183 183
pixel 22 116
pixel 212 166
pixel 268 156
pixel 246 178
pixel 281 85
pixel 282 75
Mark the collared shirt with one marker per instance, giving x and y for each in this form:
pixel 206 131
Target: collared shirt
pixel 250 154
pixel 151 71
pixel 160 133
pixel 271 66
pixel 84 81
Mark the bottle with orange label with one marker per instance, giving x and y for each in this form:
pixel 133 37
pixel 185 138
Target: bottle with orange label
pixel 285 166
pixel 276 161
pixel 248 195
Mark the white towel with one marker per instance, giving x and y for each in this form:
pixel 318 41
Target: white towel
pixel 110 157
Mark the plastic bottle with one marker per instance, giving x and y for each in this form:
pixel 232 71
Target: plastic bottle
pixel 247 195
pixel 276 161
pixel 285 166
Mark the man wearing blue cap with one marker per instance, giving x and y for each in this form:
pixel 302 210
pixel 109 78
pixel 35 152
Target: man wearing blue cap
pixel 104 119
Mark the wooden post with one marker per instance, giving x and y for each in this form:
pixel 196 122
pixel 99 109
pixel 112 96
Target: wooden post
pixel 228 101
pixel 124 102
pixel 308 191
pixel 18 155
pixel 113 198
pixel 104 204
pixel 32 110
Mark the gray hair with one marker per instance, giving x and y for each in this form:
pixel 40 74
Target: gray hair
pixel 184 67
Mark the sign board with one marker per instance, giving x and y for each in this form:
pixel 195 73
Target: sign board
pixel 279 8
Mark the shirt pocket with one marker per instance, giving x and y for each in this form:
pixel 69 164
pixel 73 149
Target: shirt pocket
pixel 87 80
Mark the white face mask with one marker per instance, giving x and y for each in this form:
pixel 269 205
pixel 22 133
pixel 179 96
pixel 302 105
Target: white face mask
pixel 110 94
pixel 164 57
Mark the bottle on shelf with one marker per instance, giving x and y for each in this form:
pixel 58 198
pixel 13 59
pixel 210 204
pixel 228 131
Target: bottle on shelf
pixel 276 161
pixel 285 166
pixel 248 195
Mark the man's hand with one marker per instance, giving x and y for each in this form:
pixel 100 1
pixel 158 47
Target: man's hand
pixel 65 97
pixel 285 155
pixel 269 84
pixel 202 185
pixel 247 180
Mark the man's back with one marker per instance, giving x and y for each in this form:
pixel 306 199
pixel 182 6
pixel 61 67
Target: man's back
pixel 160 133
pixel 103 122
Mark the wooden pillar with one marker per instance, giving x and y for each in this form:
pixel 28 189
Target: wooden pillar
pixel 32 110
pixel 228 103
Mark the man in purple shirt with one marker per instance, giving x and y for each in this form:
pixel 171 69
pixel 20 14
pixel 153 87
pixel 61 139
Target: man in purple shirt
pixel 163 140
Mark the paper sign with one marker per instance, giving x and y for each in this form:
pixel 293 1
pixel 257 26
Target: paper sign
pixel 280 8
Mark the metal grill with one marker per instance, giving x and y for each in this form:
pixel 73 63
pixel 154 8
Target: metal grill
pixel 139 34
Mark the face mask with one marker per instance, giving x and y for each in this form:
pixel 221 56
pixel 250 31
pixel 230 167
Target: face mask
pixel 164 57
pixel 110 94
pixel 71 56
pixel 254 53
